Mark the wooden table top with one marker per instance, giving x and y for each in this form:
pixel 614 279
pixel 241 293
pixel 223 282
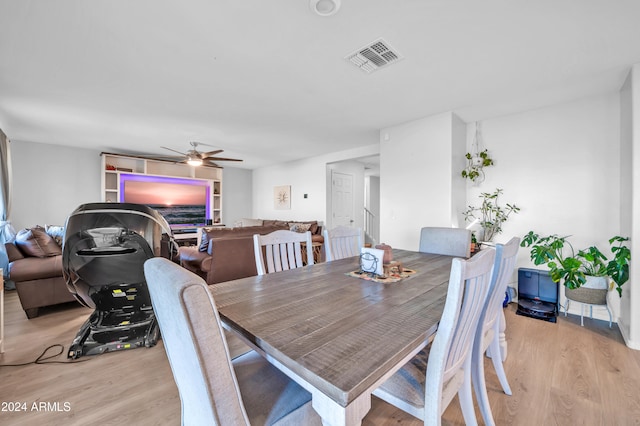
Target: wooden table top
pixel 339 333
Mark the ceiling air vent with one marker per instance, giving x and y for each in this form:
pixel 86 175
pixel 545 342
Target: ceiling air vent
pixel 374 56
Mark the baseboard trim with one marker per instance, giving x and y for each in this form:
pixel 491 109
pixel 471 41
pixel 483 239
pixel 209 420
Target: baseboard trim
pixel 627 340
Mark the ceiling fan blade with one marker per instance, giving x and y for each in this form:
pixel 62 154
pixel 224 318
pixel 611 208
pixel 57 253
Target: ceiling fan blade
pixel 181 153
pixel 210 153
pixel 174 158
pixel 212 164
pixel 221 159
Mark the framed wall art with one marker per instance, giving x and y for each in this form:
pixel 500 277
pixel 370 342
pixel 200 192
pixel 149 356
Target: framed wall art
pixel 282 197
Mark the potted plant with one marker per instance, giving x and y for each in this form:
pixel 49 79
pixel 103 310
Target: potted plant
pixel 588 269
pixel 490 215
pixel 475 164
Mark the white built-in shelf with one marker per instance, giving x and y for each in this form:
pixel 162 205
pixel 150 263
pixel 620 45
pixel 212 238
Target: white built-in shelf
pixel 115 164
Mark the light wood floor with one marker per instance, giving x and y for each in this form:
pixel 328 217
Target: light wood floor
pixel 560 374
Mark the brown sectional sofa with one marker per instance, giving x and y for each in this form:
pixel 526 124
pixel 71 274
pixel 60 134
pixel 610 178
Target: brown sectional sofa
pixel 35 266
pixel 227 253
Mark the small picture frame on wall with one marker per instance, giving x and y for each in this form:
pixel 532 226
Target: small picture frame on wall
pixel 282 197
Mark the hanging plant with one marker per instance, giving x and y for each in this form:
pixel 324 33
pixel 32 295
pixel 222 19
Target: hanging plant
pixel 475 164
pixel 476 160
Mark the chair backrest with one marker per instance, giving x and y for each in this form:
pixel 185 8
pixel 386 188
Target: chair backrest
pixel 282 251
pixel 448 241
pixel 503 267
pixel 341 242
pixel 450 353
pixel 195 344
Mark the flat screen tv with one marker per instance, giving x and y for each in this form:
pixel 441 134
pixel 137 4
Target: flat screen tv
pixel 183 202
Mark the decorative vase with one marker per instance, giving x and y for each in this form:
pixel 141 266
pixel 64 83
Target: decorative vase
pixel 388 254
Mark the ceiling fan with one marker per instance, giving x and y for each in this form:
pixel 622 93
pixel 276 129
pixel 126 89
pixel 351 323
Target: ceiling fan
pixel 193 157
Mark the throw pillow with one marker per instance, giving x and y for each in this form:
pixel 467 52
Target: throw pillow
pixel 56 232
pixel 299 227
pixel 251 222
pixel 36 242
pixel 204 240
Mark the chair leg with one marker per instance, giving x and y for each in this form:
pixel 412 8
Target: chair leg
pixel 480 388
pixel 610 318
pixel 499 367
pixel 582 315
pixel 566 307
pixel 466 399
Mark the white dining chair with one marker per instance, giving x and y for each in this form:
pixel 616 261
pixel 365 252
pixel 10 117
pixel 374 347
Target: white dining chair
pixel 488 331
pixel 341 242
pixel 215 390
pixel 282 250
pixel 425 386
pixel 447 241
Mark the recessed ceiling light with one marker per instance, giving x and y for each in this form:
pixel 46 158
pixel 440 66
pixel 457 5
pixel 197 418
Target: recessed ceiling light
pixel 325 7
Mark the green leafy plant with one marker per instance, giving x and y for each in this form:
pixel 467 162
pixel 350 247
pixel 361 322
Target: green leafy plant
pixel 491 215
pixel 475 164
pixel 572 267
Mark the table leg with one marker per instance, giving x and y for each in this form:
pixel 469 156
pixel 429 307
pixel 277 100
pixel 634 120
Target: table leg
pixel 502 336
pixel 333 414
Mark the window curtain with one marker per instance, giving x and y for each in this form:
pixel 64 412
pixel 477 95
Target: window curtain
pixel 7 233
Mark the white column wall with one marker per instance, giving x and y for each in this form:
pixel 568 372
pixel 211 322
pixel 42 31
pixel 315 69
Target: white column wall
pixel 415 179
pixel 629 321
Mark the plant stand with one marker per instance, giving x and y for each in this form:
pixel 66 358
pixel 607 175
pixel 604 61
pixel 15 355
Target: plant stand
pixel 593 293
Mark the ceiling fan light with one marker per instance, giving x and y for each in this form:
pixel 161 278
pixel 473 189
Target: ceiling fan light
pixel 324 7
pixel 194 161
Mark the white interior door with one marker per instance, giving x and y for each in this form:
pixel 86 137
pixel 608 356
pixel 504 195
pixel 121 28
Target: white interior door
pixel 342 198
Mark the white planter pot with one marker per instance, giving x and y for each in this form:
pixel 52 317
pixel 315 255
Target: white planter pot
pixel 593 292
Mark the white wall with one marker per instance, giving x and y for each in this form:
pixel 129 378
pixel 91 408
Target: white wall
pixel 307 176
pixel 560 165
pixel 50 181
pixel 626 191
pixel 629 322
pixel 634 286
pixel 416 178
pixel 237 190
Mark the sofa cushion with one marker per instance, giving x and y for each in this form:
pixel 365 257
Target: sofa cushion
pixel 269 222
pixel 13 253
pixel 250 222
pixel 208 233
pixel 192 258
pixel 33 268
pixel 35 242
pixel 244 231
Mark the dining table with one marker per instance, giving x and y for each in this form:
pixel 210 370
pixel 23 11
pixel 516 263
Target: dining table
pixel 338 335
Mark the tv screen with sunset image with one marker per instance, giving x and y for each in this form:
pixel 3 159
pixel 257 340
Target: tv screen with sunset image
pixel 182 202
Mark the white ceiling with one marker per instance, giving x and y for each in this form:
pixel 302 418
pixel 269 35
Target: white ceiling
pixel 267 80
